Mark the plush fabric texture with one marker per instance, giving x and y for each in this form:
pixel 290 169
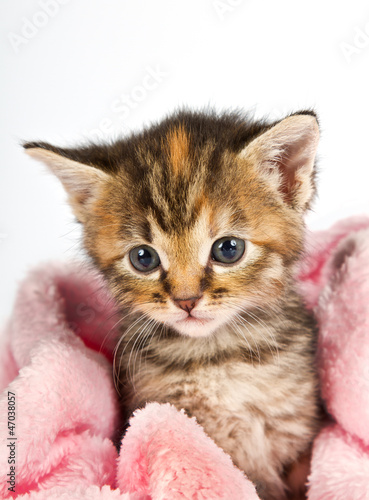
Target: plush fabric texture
pixel 56 358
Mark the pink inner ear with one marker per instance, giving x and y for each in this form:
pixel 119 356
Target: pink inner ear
pixel 288 149
pixel 295 156
pixel 288 185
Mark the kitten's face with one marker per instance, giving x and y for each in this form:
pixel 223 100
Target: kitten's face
pixel 203 275
pixel 190 229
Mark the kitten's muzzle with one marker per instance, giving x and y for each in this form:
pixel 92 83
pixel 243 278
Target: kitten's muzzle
pixel 187 304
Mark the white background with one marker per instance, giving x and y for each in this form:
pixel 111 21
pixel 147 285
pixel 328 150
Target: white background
pixel 67 67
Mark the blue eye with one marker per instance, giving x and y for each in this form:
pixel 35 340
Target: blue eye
pixel 144 258
pixel 228 250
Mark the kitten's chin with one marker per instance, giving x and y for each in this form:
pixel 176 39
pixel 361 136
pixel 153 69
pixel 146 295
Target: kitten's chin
pixel 196 327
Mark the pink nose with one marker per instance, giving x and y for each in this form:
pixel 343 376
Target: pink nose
pixel 187 304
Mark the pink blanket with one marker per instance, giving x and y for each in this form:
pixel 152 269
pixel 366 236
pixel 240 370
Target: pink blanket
pixel 58 407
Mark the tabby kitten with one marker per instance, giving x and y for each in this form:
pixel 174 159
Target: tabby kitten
pixel 196 224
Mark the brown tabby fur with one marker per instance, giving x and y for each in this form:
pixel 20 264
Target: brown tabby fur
pixel 178 186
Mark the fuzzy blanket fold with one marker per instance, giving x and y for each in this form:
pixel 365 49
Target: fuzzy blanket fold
pixel 55 363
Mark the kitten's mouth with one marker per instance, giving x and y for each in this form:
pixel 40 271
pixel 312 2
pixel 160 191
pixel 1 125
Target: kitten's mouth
pixel 192 320
pixel 196 324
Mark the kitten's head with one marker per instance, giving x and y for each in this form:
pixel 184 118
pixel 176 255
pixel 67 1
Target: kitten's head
pixel 195 219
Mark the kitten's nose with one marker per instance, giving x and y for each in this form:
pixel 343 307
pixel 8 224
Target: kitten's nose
pixel 187 304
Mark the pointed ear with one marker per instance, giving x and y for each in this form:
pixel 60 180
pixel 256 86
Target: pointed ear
pixel 82 182
pixel 285 156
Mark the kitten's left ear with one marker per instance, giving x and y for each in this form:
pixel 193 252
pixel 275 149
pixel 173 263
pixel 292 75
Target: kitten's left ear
pixel 79 170
pixel 285 156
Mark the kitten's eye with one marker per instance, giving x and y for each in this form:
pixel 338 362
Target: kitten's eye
pixel 144 258
pixel 228 250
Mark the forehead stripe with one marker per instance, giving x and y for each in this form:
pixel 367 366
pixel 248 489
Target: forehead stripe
pixel 178 148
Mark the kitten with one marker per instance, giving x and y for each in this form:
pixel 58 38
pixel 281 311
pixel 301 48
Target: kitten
pixel 196 224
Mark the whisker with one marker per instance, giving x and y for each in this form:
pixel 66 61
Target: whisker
pixel 139 333
pixel 245 324
pixel 115 369
pixel 150 334
pixel 243 337
pixel 146 330
pixel 272 335
pixel 112 328
pixel 273 346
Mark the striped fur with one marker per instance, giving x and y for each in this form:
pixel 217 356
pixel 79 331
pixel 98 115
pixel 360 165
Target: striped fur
pixel 244 365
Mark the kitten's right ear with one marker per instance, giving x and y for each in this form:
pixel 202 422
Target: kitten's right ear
pixel 285 156
pixel 82 182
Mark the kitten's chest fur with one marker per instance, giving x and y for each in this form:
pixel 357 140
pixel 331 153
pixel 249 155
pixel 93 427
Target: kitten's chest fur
pixel 253 387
